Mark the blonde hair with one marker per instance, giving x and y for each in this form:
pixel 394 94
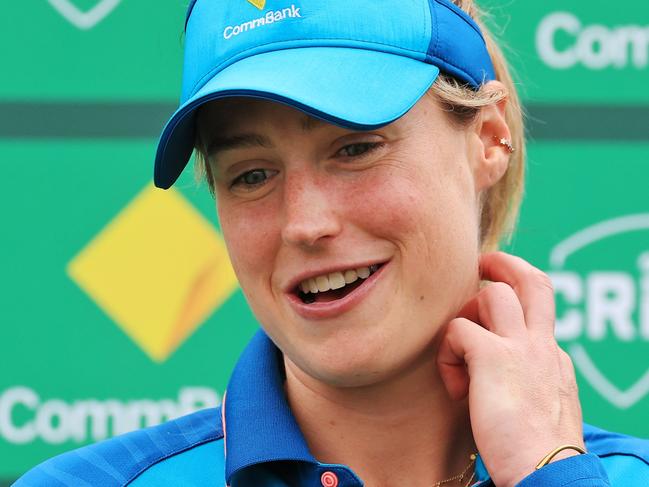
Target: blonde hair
pixel 501 202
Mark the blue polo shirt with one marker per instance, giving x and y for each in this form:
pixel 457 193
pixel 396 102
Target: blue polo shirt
pixel 254 440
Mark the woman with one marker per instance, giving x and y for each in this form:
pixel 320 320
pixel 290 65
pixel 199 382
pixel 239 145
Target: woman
pixel 366 158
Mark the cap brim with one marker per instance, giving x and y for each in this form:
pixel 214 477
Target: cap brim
pixel 355 88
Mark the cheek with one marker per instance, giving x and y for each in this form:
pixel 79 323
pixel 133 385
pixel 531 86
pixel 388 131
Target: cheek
pixel 251 242
pixel 405 202
pixel 430 216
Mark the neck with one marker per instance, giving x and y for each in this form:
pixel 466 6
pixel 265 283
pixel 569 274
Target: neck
pixel 403 431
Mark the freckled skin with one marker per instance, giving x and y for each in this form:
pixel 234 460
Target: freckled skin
pixel 412 203
pixel 396 372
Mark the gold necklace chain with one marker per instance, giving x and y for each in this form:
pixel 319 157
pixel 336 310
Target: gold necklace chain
pixel 460 477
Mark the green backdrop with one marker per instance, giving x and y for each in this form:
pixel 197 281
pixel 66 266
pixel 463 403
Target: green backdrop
pixel 85 89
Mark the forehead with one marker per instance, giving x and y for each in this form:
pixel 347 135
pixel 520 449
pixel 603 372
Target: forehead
pixel 244 116
pixel 233 114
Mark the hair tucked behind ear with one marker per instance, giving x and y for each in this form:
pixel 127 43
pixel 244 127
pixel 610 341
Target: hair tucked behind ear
pixel 500 204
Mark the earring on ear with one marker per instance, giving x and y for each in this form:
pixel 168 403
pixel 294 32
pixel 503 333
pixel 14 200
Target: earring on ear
pixel 505 143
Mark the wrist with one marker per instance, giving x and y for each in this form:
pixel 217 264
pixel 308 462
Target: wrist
pixel 533 463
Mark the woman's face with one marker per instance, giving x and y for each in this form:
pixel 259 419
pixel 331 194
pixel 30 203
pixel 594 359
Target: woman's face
pixel 299 200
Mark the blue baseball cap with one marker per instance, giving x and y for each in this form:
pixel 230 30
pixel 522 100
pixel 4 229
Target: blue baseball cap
pixel 360 64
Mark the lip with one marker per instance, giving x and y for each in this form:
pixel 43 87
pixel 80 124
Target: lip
pixel 331 309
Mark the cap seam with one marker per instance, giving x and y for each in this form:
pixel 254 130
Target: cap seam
pixel 423 35
pixel 434 52
pixel 433 49
pixel 463 15
pixel 243 55
pixel 434 42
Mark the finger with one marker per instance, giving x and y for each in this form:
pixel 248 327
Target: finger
pixel 461 338
pixel 500 311
pixel 496 307
pixel 533 287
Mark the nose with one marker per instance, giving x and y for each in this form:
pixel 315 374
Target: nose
pixel 310 215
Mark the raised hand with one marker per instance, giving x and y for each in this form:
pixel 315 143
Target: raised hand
pixel 501 352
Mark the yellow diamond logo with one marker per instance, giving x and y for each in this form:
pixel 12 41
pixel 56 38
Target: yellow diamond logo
pixel 260 4
pixel 159 269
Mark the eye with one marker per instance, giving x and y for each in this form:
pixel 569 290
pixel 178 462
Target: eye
pixel 359 149
pixel 252 179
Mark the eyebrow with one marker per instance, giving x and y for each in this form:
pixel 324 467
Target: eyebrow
pixel 241 141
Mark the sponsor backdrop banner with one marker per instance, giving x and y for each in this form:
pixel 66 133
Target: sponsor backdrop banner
pixel 119 306
pixel 577 52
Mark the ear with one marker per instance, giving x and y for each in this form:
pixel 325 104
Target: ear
pixel 490 158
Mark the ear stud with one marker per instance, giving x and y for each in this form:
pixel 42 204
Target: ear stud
pixel 505 143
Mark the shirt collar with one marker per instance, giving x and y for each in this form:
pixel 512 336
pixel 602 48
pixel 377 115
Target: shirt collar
pixel 258 423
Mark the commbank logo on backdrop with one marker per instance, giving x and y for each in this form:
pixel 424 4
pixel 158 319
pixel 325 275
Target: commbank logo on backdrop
pixel 26 417
pixel 603 312
pixel 159 269
pixel 84 20
pixel 563 42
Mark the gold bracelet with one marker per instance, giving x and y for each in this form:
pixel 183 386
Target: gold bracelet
pixel 553 453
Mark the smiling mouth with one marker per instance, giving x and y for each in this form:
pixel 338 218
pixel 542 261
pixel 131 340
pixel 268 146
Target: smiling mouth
pixel 334 286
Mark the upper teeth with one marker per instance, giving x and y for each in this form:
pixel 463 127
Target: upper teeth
pixel 335 280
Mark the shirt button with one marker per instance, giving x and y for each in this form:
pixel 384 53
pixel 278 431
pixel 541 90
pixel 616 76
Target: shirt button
pixel 329 479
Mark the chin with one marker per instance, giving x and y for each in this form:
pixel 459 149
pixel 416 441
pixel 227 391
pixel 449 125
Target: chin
pixel 352 366
pixel 366 353
pixel 347 375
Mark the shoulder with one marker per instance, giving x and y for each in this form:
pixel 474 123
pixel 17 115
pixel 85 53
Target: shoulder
pixel 141 458
pixel 625 458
